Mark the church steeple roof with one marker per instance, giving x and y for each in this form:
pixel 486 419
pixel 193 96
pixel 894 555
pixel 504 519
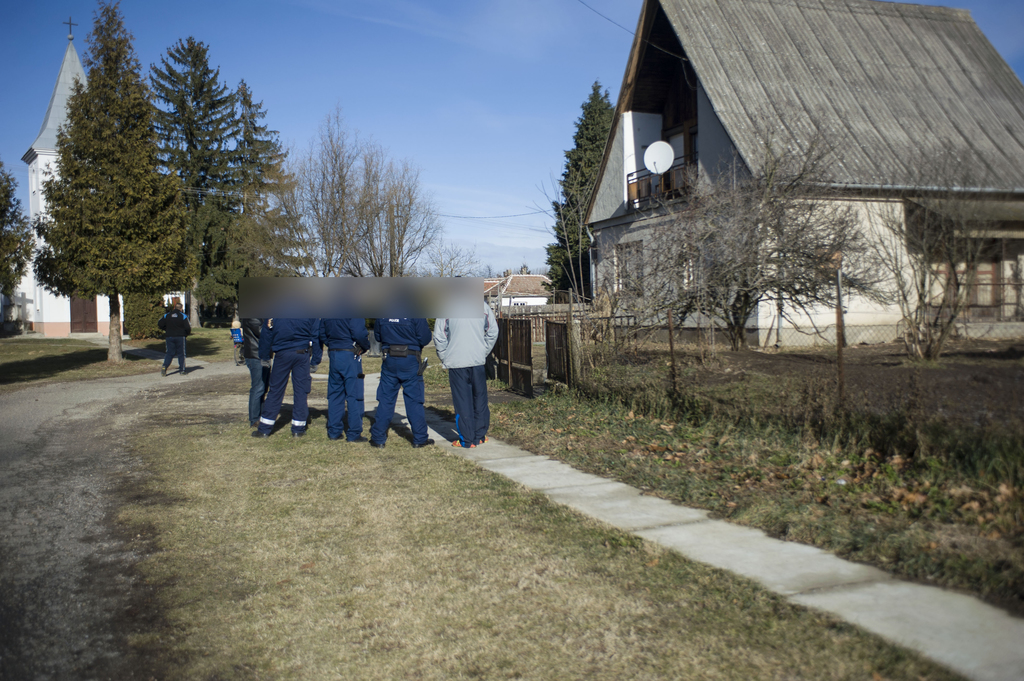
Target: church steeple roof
pixel 56 112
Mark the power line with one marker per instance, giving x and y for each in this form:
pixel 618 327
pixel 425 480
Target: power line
pixel 605 18
pixel 489 217
pixel 648 42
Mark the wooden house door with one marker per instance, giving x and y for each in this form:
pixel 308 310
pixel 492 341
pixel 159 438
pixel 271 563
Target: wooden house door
pixel 83 315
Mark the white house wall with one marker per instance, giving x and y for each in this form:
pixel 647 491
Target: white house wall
pixel 38 309
pixel 865 320
pixel 641 131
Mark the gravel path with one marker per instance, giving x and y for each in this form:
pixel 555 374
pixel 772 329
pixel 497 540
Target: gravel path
pixel 69 597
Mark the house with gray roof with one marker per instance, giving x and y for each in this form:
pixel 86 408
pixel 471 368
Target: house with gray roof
pixel 887 83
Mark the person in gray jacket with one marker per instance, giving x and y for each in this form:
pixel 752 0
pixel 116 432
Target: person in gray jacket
pixel 462 347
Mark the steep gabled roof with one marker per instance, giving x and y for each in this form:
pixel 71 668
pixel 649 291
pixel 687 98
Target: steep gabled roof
pixel 56 113
pixel 889 82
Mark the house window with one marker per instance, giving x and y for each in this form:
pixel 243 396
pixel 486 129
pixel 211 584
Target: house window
pixel 629 267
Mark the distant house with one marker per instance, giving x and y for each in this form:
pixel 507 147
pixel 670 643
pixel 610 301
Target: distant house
pixel 890 80
pixel 514 290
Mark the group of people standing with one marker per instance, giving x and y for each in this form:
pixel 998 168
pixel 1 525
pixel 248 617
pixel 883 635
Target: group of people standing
pixel 296 346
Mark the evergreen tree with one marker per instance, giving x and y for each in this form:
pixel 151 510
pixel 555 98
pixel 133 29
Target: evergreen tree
pixel 258 155
pixel 259 164
pixel 115 223
pixel 15 235
pixel 569 257
pixel 196 123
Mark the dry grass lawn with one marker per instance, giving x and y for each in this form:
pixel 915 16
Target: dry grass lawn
pixel 311 559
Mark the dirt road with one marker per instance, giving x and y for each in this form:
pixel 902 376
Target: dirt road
pixel 69 596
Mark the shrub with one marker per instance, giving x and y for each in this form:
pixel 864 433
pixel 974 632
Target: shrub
pixel 141 314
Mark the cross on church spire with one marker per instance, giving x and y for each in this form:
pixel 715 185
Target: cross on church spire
pixel 71 35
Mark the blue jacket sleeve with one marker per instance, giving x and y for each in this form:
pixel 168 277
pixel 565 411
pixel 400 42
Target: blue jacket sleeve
pixel 266 341
pixel 423 332
pixel 359 334
pixel 318 348
pixel 376 330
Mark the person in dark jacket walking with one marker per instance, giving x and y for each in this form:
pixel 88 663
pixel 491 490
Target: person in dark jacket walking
pixel 462 346
pixel 175 325
pixel 295 344
pixel 402 341
pixel 259 369
pixel 346 341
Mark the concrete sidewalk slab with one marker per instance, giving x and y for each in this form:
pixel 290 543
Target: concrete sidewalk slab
pixel 624 507
pixel 971 637
pixel 539 473
pixel 784 567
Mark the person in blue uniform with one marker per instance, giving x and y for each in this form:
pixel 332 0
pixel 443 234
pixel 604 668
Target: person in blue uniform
pixel 401 339
pixel 346 341
pixel 295 344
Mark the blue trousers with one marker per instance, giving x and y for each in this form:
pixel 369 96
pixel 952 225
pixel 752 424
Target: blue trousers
pixel 175 348
pixel 345 390
pixel 288 363
pixel 395 373
pixel 469 397
pixel 259 376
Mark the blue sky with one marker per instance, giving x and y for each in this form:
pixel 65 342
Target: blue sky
pixel 481 95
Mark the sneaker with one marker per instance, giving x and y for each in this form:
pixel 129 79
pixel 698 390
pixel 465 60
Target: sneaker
pixel 422 444
pixel 458 443
pixel 483 442
pixel 163 371
pixel 376 445
pixel 257 433
pixel 359 439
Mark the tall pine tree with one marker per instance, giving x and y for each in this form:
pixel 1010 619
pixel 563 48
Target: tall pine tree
pixel 259 162
pixel 196 123
pixel 569 257
pixel 115 223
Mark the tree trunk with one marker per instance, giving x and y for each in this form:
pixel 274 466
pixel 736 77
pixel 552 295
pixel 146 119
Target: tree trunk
pixel 114 355
pixel 194 302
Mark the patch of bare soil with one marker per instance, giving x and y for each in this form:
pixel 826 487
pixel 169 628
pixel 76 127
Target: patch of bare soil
pixel 974 382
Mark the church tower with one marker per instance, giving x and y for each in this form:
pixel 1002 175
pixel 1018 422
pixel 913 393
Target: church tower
pixel 40 310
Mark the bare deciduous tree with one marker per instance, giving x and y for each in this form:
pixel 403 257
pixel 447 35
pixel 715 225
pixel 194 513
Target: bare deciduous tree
pixel 399 223
pixel 932 237
pixel 345 208
pixel 451 260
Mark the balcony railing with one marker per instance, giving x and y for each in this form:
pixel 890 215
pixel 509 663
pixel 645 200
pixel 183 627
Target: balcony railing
pixel 673 185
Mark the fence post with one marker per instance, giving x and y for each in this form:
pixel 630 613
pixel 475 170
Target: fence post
pixel 569 364
pixel 672 353
pixel 840 336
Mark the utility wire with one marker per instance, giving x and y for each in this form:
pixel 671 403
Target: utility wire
pixel 606 18
pixel 649 43
pixel 489 217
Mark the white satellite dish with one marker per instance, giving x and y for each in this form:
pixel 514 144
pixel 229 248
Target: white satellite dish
pixel 658 157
